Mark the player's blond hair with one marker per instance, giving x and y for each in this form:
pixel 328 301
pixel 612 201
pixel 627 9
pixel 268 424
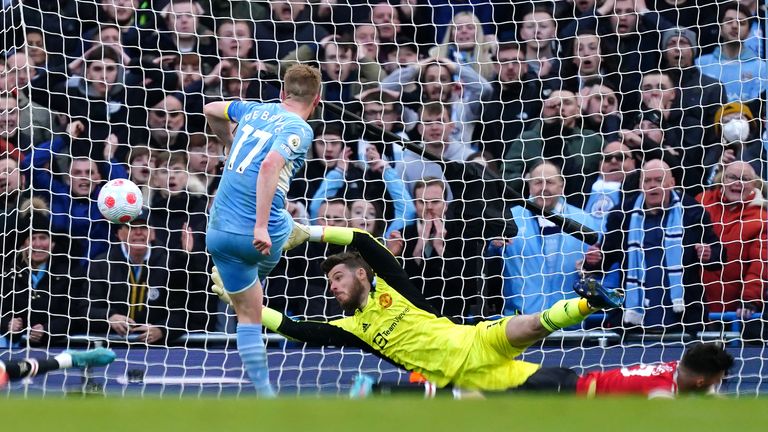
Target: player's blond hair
pixel 302 83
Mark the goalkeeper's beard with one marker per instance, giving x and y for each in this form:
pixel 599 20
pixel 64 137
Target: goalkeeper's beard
pixel 354 298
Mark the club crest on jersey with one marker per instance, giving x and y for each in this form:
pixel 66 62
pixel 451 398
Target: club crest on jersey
pixel 385 300
pixel 294 142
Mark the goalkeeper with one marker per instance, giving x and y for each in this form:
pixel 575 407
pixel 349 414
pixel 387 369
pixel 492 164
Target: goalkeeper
pixel 388 317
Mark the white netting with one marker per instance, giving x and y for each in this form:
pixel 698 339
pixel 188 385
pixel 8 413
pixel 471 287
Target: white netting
pixel 101 89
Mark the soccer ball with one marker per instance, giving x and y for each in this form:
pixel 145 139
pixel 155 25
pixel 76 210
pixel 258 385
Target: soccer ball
pixel 120 201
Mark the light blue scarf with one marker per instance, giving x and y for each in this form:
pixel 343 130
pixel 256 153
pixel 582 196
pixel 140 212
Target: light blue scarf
pixel 673 253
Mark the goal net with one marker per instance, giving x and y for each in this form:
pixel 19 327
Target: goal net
pixel 640 121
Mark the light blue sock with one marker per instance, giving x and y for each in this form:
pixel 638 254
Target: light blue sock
pixel 254 357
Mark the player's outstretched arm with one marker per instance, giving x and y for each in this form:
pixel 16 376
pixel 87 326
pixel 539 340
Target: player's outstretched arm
pixel 218 119
pixel 312 332
pixel 381 260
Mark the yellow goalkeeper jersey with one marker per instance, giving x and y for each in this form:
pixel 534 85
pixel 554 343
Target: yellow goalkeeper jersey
pixel 399 325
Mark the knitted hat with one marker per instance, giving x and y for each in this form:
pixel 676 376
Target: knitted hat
pixel 732 108
pixel 682 32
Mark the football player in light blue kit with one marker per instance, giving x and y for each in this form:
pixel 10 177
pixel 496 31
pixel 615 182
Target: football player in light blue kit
pixel 249 224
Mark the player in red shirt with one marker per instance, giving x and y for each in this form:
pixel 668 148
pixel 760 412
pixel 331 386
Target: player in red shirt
pixel 701 369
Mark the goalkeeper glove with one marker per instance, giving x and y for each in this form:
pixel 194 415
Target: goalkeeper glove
pixel 218 287
pixel 299 235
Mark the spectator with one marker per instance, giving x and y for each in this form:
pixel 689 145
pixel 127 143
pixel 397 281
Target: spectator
pixel 382 109
pixel 746 147
pixel 600 108
pixel 33 120
pixel 466 44
pixel 288 28
pixel 332 212
pixel 430 255
pixel 13 191
pixel 200 160
pixel 328 150
pixel 182 32
pixel 167 124
pixel 538 33
pixel 756 38
pixel 697 15
pixel 367 42
pixel 737 66
pixel 432 22
pixel 406 54
pixel 438 80
pixel 630 27
pixel 515 103
pixel 140 166
pixel 386 18
pixel 663 240
pixel 342 75
pixel 699 96
pixel 374 182
pixel 618 176
pixel 588 59
pixel 9 126
pixel 136 22
pixel 42 291
pixel 72 198
pixel 136 288
pixel 178 204
pixel 435 130
pixel 658 132
pixel 540 262
pixel 738 211
pixel 105 35
pixel 559 139
pixel 98 99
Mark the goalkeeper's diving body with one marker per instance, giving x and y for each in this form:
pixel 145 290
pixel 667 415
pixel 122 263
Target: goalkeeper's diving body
pixel 388 317
pixel 28 368
pixel 249 223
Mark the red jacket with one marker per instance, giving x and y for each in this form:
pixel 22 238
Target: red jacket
pixel 743 232
pixel 7 148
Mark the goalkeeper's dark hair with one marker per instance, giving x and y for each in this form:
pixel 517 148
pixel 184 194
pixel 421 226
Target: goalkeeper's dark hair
pixel 352 260
pixel 707 358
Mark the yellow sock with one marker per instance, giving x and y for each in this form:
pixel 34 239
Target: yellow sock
pixel 565 313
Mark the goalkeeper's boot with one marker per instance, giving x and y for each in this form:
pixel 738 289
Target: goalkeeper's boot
pixel 362 387
pixel 598 296
pixel 94 357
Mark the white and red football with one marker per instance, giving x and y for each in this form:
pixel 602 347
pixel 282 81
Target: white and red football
pixel 120 201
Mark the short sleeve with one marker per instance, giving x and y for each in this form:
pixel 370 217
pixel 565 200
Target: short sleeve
pixel 236 109
pixel 293 143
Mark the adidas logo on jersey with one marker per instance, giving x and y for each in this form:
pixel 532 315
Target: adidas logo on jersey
pixel 365 327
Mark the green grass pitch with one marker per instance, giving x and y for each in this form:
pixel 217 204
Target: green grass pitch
pixel 388 414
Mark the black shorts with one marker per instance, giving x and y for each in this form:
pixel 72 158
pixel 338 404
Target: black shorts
pixel 560 380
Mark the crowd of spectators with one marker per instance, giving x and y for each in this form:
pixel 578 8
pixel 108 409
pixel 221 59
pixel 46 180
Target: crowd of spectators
pixel 643 120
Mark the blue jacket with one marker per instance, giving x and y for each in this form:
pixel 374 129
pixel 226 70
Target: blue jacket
pixel 744 78
pixel 540 270
pixel 77 217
